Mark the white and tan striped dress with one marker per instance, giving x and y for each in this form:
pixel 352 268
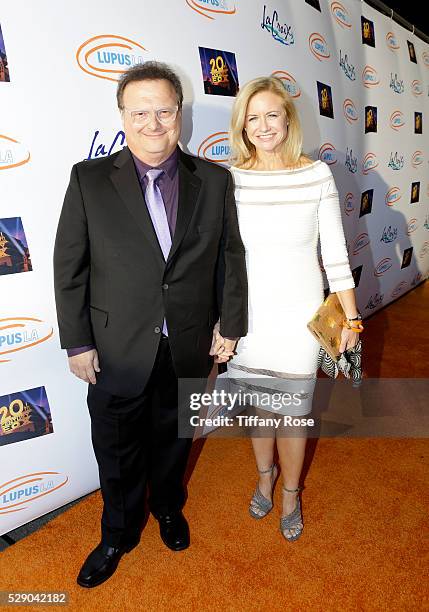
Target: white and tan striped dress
pixel 282 215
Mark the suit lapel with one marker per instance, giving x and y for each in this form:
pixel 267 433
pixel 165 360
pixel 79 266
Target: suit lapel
pixel 124 178
pixel 189 189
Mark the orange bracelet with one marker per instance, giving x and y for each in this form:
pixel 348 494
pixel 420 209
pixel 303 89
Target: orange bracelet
pixel 358 330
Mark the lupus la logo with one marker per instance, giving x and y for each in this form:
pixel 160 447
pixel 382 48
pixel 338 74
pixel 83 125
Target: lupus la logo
pixel 12 153
pixel 369 162
pixel 374 301
pixel 417 159
pixel 425 58
pixel 349 110
pixel 389 234
pixel 396 162
pixel 426 223
pixel 398 289
pixel 211 8
pixel 215 148
pixel 392 41
pixel 328 153
pixel 393 196
pixel 289 83
pixel 349 204
pixel 98 149
pixel 370 77
pixel 16 494
pixel 341 15
pixel 351 162
pixel 383 266
pixel 318 46
pixel 396 84
pixel 412 226
pixel 280 31
pixel 348 69
pixel 360 243
pixel 416 88
pixel 424 249
pixel 107 56
pixel 397 120
pixel 20 333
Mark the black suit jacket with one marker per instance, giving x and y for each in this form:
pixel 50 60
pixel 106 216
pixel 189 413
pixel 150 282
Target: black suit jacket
pixel 113 287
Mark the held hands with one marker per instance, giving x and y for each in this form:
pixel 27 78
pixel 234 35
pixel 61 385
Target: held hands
pixel 85 365
pixel 222 348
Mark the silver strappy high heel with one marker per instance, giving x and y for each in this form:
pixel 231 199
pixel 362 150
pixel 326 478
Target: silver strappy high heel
pixel 260 506
pixel 292 521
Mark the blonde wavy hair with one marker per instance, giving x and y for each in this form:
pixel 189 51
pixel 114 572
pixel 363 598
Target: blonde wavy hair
pixel 243 152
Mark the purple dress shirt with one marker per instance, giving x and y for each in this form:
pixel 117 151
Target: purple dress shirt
pixel 168 184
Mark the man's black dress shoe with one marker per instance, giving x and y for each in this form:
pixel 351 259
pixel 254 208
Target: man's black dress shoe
pixel 174 530
pixel 101 563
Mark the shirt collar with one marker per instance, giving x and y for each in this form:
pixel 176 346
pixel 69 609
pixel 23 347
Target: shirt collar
pixel 169 165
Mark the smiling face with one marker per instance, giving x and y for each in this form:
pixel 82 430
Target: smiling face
pixel 266 122
pixel 154 141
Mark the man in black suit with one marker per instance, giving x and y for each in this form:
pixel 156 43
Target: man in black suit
pixel 148 257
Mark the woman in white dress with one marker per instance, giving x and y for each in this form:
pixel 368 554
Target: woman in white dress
pixel 286 203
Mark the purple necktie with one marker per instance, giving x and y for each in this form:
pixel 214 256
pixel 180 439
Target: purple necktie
pixel 156 208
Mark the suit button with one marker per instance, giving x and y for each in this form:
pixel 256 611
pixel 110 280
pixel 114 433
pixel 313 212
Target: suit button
pixel 157 330
pixel 165 286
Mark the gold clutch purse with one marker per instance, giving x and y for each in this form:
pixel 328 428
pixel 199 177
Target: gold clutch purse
pixel 327 324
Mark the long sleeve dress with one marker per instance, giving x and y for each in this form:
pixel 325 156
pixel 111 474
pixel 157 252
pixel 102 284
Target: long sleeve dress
pixel 282 216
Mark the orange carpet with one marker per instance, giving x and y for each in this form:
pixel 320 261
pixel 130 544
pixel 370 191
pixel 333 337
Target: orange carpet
pixel 365 505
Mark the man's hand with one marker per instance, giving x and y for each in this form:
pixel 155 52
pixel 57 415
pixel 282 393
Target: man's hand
pixel 222 348
pixel 227 350
pixel 85 365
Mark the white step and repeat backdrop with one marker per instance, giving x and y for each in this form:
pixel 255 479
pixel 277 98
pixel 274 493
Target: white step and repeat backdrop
pixel 361 83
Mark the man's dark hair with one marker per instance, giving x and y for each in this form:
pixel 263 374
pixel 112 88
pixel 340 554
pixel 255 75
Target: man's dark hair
pixel 149 71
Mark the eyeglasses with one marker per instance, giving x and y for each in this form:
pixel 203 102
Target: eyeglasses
pixel 165 116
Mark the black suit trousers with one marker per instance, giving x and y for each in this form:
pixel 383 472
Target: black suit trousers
pixel 137 448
